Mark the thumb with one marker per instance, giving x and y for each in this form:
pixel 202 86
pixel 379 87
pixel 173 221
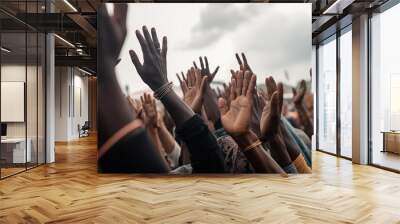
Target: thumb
pixel 275 103
pixel 223 107
pixel 294 91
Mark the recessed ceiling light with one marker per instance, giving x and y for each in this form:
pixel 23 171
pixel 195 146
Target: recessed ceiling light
pixel 70 5
pixel 84 71
pixel 5 50
pixel 65 41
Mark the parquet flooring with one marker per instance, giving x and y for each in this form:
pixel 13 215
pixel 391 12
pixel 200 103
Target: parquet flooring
pixel 71 191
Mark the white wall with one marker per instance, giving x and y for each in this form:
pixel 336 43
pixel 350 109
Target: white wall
pixel 71 94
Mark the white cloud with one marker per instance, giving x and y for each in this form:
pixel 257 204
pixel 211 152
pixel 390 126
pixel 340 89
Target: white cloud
pixel 275 38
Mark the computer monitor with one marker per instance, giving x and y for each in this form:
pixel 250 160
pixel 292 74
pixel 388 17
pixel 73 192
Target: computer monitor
pixel 3 129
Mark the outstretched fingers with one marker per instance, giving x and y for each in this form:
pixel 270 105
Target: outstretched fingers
pixel 150 42
pixel 246 81
pixel 164 49
pixel 135 61
pixel 143 45
pixel 252 86
pixel 155 40
pixel 222 106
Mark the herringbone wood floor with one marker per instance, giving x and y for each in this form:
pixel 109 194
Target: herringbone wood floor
pixel 71 191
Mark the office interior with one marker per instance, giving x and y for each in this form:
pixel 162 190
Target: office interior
pixel 48 77
pixel 48 80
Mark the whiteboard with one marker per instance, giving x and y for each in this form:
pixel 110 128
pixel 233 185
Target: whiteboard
pixel 12 101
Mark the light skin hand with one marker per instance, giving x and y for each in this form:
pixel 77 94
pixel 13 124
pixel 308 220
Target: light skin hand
pixel 150 110
pixel 193 88
pixel 137 107
pixel 236 117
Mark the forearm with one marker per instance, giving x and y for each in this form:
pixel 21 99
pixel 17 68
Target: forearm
pixel 291 146
pixel 260 160
pixel 114 111
pixel 166 138
pixel 153 133
pixel 179 110
pixel 279 151
pixel 305 119
pixel 205 154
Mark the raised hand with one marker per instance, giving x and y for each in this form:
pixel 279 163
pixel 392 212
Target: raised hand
pixel 136 106
pixel 244 66
pixel 153 71
pixel 210 97
pixel 205 70
pixel 271 114
pixel 298 98
pixel 298 95
pixel 116 31
pixel 256 112
pixel 193 88
pixel 236 116
pixel 150 110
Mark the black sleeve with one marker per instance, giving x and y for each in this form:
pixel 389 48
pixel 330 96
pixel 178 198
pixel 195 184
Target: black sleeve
pixel 134 153
pixel 206 156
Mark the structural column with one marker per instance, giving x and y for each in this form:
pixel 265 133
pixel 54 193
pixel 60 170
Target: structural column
pixel 360 90
pixel 50 92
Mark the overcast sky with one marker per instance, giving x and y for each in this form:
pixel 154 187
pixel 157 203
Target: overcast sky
pixel 275 38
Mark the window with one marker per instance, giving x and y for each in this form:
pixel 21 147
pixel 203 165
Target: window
pixel 346 93
pixel 385 89
pixel 327 96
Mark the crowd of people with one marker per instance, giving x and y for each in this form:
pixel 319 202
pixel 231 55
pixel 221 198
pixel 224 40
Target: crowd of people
pixel 240 128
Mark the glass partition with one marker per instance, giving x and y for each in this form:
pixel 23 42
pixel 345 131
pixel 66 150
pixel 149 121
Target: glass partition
pixel 346 93
pixel 14 153
pixel 385 89
pixel 327 95
pixel 22 88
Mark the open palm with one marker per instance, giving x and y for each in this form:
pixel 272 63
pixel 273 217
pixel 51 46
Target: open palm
pixel 236 116
pixel 193 87
pixel 271 114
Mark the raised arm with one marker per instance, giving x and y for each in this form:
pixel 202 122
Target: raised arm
pixel 206 156
pixel 298 101
pixel 119 130
pixel 236 121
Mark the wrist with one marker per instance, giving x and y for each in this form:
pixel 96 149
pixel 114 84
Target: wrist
pixel 245 139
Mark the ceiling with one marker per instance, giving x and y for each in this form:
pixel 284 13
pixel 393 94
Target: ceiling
pixel 75 22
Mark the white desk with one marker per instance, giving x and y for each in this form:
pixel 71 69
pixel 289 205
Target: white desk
pixel 19 155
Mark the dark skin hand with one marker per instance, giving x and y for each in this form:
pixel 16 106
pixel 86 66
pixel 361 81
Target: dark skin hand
pixel 271 114
pixel 153 72
pixel 270 122
pixel 243 65
pixel 114 111
pixel 113 100
pixel 298 100
pixel 256 114
pixel 210 98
